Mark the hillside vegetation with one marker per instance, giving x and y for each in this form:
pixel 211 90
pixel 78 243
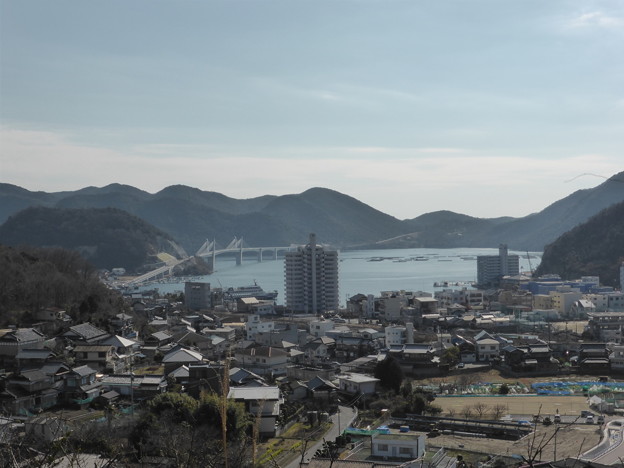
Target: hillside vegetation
pixel 106 237
pixel 594 248
pixel 33 278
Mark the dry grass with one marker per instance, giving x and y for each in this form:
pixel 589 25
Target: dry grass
pixel 571 441
pixel 545 405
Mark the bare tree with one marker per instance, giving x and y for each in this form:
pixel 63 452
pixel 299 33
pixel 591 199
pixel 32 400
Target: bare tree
pixel 480 409
pixel 499 410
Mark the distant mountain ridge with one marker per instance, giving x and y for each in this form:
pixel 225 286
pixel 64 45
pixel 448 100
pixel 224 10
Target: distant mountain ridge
pixel 190 216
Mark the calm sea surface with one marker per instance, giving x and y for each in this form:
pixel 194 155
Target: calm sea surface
pixel 362 271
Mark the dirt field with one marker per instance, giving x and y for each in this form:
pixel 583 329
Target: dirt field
pixel 567 405
pixel 571 441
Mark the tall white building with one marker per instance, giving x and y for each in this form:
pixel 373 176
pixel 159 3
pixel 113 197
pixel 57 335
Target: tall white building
pixel 491 268
pixel 311 274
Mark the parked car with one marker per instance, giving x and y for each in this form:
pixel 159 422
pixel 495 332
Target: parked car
pixel 601 419
pixel 589 419
pixel 460 365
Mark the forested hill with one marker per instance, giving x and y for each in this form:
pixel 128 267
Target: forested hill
pixel 595 247
pixel 106 237
pixel 33 278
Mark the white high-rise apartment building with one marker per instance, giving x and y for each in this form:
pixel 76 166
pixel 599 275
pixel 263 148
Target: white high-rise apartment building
pixel 491 268
pixel 311 274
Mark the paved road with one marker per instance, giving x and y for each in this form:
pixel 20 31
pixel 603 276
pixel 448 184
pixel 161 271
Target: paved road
pixel 611 450
pixel 345 416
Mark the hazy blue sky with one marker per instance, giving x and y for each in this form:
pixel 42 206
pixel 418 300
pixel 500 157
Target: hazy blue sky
pixel 481 107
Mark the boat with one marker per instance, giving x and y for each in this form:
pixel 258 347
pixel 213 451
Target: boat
pixel 250 291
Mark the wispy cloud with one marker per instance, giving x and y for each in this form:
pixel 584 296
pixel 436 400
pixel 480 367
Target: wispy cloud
pixel 595 19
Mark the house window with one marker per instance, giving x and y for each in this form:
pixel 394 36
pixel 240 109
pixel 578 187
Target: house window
pixel 101 354
pixel 383 447
pixel 405 450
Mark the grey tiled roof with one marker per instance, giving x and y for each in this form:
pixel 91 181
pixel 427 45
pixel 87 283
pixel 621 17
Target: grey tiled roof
pixel 87 331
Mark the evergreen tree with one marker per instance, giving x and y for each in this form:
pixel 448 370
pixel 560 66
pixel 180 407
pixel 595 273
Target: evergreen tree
pixel 389 373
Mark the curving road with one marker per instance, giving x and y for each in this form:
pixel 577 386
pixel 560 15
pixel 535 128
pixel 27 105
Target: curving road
pixel 343 418
pixel 611 449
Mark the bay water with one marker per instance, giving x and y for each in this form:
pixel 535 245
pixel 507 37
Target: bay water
pixel 362 271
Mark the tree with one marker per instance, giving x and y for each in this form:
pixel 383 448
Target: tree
pixel 480 409
pixel 499 410
pixel 389 373
pixel 450 356
pixel 504 389
pixel 180 407
pixel 209 413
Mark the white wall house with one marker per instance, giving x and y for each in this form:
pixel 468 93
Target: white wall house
pixel 358 383
pixel 408 446
pixel 399 335
pixel 320 327
pixel 254 325
pixel 487 349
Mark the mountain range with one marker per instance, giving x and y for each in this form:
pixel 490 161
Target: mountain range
pixel 191 216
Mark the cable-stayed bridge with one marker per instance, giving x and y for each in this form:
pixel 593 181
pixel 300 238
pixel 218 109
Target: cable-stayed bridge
pixel 238 248
pixel 209 252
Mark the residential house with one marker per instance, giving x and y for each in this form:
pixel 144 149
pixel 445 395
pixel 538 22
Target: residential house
pixel 180 356
pixel 245 378
pixel 415 358
pixel 408 446
pixel 136 387
pixel 262 402
pixel 321 389
pixel 350 347
pixel 357 384
pixel 81 387
pixel 263 360
pixel 27 392
pixel 319 350
pixel 100 357
pixel 85 333
pixel 467 349
pixel 31 358
pixel 320 327
pixel 488 349
pixel 254 325
pixel 397 335
pixel 594 358
pixel 123 325
pixel 12 341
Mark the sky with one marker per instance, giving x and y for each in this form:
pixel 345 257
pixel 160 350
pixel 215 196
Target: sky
pixel 482 107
